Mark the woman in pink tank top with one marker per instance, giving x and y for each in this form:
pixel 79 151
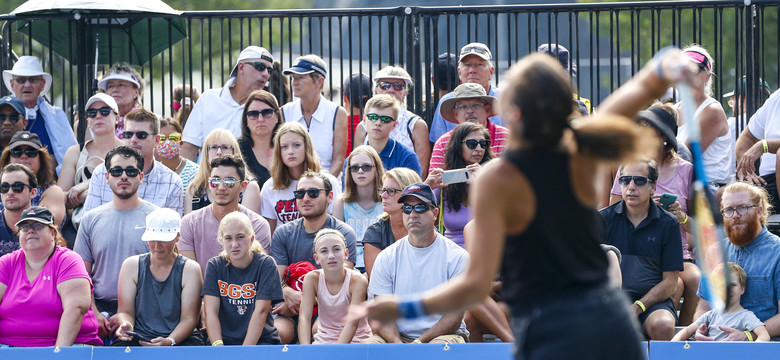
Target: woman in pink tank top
pixel 335 288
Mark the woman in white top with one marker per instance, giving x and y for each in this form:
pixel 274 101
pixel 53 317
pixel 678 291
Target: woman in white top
pixel 325 121
pixel 412 130
pixel 293 155
pixel 716 145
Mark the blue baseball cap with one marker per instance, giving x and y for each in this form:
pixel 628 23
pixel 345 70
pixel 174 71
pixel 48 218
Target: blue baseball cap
pixel 15 103
pixel 306 67
pixel 419 190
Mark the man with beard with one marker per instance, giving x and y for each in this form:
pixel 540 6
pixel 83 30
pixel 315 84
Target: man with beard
pixel 199 229
pixel 18 185
pixel 745 210
pixel 469 102
pixel 11 119
pixel 294 242
pixel 160 186
pixel 112 232
pixel 648 237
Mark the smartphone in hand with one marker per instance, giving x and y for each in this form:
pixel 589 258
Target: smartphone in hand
pixel 138 337
pixel 456 176
pixel 666 200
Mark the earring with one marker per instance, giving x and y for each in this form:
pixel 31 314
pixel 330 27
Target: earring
pixel 664 143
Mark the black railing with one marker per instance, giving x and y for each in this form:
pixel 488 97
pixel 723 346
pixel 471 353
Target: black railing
pixel 609 42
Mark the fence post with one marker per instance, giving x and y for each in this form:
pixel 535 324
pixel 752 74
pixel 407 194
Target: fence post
pixel 752 57
pixel 83 78
pixel 413 57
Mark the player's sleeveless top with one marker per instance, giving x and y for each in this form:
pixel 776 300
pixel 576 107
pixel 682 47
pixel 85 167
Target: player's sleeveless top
pixel 559 251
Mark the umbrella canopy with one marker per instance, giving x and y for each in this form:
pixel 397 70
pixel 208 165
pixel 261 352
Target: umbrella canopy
pixel 118 36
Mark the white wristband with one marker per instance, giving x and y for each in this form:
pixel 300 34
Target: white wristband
pixel 173 342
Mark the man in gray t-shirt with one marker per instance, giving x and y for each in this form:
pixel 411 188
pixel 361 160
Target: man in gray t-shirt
pixel 112 232
pixel 294 242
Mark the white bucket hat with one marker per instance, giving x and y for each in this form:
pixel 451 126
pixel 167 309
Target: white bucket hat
pixel 27 66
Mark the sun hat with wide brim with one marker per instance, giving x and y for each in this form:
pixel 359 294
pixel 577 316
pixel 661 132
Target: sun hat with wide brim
pixel 27 66
pixel 466 91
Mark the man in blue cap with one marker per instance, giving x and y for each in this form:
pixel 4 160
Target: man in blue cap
pixel 11 119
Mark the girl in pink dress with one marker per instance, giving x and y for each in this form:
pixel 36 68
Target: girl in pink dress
pixel 335 288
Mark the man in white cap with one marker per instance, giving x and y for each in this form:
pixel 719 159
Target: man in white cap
pixel 223 107
pixel 469 103
pixel 475 65
pixel 29 83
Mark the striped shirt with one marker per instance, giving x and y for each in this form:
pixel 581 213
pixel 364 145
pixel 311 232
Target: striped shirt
pixel 161 187
pixel 499 136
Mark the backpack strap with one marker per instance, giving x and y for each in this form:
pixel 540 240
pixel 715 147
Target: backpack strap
pixel 410 126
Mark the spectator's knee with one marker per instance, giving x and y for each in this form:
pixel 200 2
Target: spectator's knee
pixel 660 326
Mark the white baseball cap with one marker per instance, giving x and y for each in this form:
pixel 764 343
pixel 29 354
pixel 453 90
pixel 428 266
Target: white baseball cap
pixel 104 98
pixel 162 224
pixel 252 52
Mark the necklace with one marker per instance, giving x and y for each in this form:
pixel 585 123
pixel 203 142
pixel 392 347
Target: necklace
pixel 181 161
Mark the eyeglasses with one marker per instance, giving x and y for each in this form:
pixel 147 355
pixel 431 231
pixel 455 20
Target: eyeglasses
pixel 254 114
pixel 397 86
pixel 374 117
pixel 33 225
pixel 390 191
pixel 17 187
pixel 419 208
pixel 259 66
pixel 365 168
pixel 638 180
pixel 24 79
pixel 223 148
pixel 175 137
pixel 103 111
pixel 13 118
pixel 17 153
pixel 472 144
pixel 313 193
pixel 474 106
pixel 141 135
pixel 741 210
pixel 230 182
pixel 131 171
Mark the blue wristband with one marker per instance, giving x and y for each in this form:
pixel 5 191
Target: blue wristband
pixel 411 309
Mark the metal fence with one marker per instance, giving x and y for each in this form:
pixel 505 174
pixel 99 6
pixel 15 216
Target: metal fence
pixel 609 42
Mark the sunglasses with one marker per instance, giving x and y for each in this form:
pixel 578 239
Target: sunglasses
pixel 259 66
pixel 365 168
pixel 24 79
pixel 13 118
pixel 375 117
pixel 474 106
pixel 313 193
pixel 141 135
pixel 419 208
pixel 91 113
pixel 17 153
pixel 638 180
pixel 474 49
pixel 17 187
pixel 397 86
pixel 175 137
pixel 33 225
pixel 230 182
pixel 131 171
pixel 254 114
pixel 390 191
pixel 472 144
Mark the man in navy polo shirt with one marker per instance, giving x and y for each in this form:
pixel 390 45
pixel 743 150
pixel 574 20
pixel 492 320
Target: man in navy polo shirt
pixel 649 239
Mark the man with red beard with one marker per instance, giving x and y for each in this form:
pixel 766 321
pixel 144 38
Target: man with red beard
pixel 745 210
pixel 649 239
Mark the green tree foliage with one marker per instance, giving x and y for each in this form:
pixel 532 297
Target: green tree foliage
pixel 639 32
